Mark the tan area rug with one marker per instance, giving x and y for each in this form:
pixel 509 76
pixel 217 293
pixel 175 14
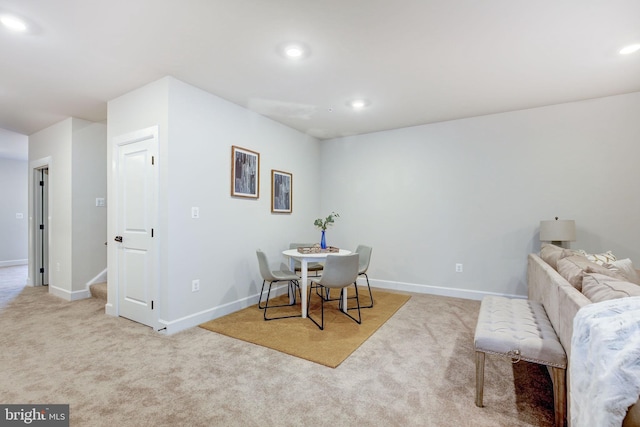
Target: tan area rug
pixel 301 337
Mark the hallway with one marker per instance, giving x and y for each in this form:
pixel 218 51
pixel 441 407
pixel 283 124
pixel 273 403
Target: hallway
pixel 12 281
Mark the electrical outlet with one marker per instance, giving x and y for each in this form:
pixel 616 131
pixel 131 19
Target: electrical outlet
pixel 195 285
pixel 458 268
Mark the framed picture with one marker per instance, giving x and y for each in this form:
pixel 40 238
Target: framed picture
pixel 281 189
pixel 245 173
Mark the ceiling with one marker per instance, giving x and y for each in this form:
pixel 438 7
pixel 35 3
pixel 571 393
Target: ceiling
pixel 415 61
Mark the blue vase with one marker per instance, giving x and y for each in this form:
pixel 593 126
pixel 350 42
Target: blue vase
pixel 323 242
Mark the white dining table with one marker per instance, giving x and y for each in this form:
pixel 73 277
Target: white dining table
pixel 304 259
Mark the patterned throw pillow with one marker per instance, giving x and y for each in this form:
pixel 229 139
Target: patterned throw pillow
pixel 604 258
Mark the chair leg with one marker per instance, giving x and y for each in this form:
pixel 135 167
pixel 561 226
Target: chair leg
pixel 260 298
pixel 326 294
pixel 291 287
pixel 346 313
pixel 370 294
pixel 293 284
pixel 322 301
pixel 267 306
pixel 321 324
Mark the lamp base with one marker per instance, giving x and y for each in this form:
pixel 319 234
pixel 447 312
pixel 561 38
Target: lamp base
pixel 560 244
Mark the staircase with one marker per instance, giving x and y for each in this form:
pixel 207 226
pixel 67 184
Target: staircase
pixel 99 290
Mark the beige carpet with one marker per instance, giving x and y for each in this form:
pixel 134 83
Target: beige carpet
pixel 416 370
pixel 301 337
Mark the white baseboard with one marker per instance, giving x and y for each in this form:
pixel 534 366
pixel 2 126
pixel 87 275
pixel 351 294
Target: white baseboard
pixel 433 290
pixel 174 326
pixel 110 309
pixel 69 295
pixel 14 262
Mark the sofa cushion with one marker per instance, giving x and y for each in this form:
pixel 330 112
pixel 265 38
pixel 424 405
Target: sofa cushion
pixel 551 254
pixel 572 268
pixel 599 287
pixel 625 268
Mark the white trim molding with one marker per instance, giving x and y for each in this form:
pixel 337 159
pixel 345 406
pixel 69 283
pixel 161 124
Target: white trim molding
pixel 14 262
pixel 433 290
pixel 67 295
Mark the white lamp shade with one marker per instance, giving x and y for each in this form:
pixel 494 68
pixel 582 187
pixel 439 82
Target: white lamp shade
pixel 558 230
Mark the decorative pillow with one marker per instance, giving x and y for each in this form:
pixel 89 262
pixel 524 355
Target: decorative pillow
pixel 625 268
pixel 572 268
pixel 598 288
pixel 551 254
pixel 603 258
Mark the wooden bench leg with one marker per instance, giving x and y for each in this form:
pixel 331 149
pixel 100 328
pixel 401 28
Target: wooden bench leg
pixel 559 395
pixel 479 377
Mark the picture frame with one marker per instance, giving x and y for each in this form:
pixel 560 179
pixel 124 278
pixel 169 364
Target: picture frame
pixel 281 191
pixel 245 173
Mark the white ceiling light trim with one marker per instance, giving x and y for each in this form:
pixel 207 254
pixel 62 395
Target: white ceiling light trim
pixel 630 49
pixel 13 23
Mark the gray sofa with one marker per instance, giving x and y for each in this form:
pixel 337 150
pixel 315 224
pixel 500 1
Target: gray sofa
pixel 562 300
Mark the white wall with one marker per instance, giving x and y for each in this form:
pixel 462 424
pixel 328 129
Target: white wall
pixel 75 152
pixel 13 193
pixel 473 191
pixel 197 130
pixel 89 181
pixel 52 147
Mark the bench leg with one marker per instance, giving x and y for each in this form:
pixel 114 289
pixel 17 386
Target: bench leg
pixel 559 395
pixel 479 377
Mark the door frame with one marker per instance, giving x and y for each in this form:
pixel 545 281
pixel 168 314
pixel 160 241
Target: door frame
pixel 113 287
pixel 34 166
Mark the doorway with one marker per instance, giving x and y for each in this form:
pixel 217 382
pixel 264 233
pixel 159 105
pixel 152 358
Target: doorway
pixel 41 226
pixel 135 181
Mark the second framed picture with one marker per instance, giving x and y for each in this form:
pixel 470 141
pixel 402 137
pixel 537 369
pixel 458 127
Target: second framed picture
pixel 281 191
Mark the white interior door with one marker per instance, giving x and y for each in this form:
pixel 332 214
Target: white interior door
pixel 136 215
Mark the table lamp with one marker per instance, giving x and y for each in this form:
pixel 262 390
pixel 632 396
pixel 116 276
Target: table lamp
pixel 558 231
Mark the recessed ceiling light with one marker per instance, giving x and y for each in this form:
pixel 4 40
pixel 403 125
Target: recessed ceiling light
pixel 13 23
pixel 630 49
pixel 294 50
pixel 358 104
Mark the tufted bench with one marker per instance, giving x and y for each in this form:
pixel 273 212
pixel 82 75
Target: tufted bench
pixel 520 329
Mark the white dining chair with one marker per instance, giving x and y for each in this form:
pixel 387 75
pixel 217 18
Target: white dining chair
pixel 340 271
pixel 275 276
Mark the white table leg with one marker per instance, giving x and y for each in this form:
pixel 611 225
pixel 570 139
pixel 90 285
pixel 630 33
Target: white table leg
pixel 303 286
pixel 344 299
pixel 292 267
